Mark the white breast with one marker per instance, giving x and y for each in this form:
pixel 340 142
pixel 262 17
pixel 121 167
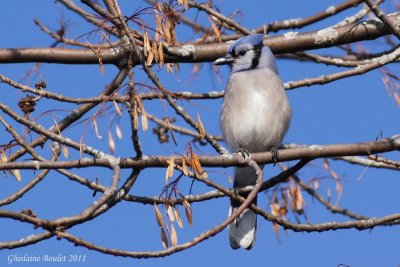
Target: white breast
pixel 255 113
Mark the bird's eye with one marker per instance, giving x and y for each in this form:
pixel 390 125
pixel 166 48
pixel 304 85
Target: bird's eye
pixel 242 52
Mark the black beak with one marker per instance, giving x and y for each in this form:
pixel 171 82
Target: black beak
pixel 228 59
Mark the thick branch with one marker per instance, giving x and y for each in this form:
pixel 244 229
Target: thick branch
pixel 307 153
pixel 287 43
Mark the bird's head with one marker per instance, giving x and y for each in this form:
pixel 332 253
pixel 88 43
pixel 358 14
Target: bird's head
pixel 248 53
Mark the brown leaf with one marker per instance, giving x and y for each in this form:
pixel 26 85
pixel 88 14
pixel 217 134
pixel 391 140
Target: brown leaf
pixel 275 227
pixel 164 239
pixel 328 194
pixel 215 29
pixel 160 55
pixel 56 125
pixel 111 142
pixel 174 236
pixel 184 167
pixel 188 212
pixel 135 119
pixel 170 67
pixel 118 131
pixel 143 113
pixel 146 43
pixel 299 199
pixel 334 175
pixel 117 108
pixel 186 4
pixel 159 216
pixel 291 196
pixel 195 164
pixel 274 209
pixel 283 210
pixel 201 126
pixel 144 120
pixel 170 212
pixel 65 151
pixel 326 164
pixel 4 158
pixel 17 174
pixel 178 217
pixel 150 58
pixel 154 50
pixel 170 169
pixel 96 129
pixel 396 98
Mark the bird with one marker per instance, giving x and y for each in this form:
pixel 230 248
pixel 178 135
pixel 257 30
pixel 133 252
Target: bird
pixel 255 116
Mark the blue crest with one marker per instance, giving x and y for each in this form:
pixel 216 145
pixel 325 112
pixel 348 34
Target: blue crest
pixel 254 40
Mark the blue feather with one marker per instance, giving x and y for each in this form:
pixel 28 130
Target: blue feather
pixel 254 40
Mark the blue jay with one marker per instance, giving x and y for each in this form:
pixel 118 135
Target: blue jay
pixel 255 116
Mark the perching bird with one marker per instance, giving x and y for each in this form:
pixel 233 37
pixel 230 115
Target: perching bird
pixel 255 116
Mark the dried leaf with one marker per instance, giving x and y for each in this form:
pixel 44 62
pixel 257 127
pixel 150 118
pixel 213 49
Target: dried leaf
pixel 135 119
pixel 274 208
pixel 111 142
pixel 154 50
pixel 396 98
pixel 96 129
pixel 326 164
pixel 230 179
pixel 146 43
pixel 338 188
pixel 118 131
pixel 195 164
pixel 170 212
pixel 159 27
pixel 117 108
pixel 275 227
pixel 170 68
pixel 184 167
pixel 4 158
pixel 215 29
pixel 101 65
pixel 160 55
pixel 159 217
pixel 174 236
pixel 150 58
pixel 188 211
pixel 164 238
pixel 56 125
pixel 186 4
pixel 334 175
pixel 178 217
pixel 65 151
pixel 283 210
pixel 170 169
pixel 328 194
pixel 143 113
pixel 291 196
pixel 299 199
pixel 81 146
pixel 201 126
pixel 144 120
pixel 17 174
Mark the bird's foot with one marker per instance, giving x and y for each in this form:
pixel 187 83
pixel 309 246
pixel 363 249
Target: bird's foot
pixel 243 152
pixel 275 155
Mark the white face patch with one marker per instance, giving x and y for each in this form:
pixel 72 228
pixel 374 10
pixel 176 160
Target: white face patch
pixel 243 62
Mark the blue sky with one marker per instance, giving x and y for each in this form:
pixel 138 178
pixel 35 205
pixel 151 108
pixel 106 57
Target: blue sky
pixel 356 109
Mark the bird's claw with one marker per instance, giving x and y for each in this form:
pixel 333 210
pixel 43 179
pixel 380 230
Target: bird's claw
pixel 243 152
pixel 275 155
